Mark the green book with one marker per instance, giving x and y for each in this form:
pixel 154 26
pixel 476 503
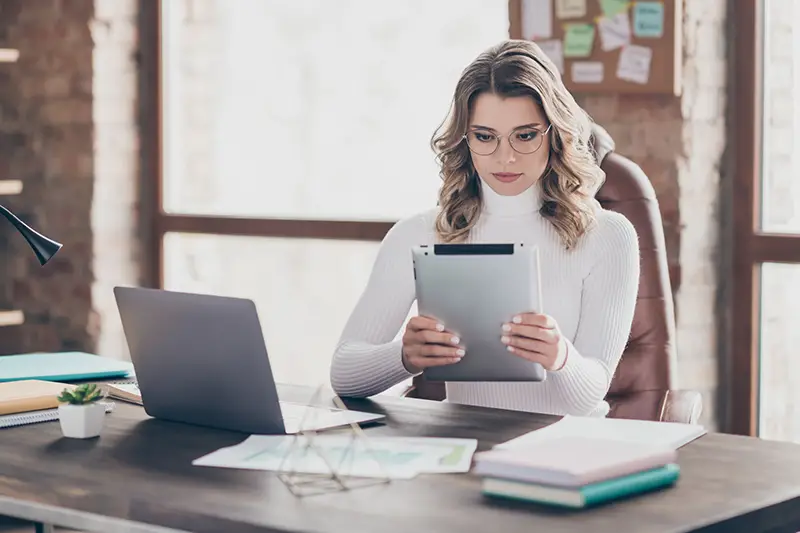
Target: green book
pixel 588 495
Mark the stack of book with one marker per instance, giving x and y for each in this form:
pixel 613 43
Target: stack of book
pixel 576 472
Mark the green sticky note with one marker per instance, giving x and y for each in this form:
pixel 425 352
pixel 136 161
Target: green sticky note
pixel 613 7
pixel 578 40
pixel 648 19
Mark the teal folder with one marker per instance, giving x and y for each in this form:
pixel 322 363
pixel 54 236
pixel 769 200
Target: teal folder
pixel 61 366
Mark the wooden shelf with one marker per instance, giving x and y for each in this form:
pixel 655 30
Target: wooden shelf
pixel 9 55
pixel 10 187
pixel 11 317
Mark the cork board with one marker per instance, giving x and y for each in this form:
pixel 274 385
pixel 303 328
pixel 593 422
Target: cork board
pixel 606 46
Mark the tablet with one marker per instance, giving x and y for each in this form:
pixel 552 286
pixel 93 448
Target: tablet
pixel 473 289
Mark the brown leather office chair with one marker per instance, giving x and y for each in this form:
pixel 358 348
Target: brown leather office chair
pixel 642 385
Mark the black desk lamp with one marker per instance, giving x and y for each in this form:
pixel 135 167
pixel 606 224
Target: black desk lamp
pixel 43 247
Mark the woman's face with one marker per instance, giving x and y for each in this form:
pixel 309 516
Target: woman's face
pixel 509 142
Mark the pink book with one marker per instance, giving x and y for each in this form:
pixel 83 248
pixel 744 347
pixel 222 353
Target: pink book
pixel 572 461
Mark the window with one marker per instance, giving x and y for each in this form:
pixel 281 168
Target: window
pixel 293 134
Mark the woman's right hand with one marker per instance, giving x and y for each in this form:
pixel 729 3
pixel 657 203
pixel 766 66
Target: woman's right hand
pixel 426 343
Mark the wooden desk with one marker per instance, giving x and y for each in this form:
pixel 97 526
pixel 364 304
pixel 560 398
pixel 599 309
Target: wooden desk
pixel 137 477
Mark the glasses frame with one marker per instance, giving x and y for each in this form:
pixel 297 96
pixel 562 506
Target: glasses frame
pixel 500 140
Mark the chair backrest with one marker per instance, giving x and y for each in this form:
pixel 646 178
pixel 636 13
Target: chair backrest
pixel 648 361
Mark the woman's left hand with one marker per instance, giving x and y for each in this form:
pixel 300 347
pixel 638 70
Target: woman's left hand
pixel 536 337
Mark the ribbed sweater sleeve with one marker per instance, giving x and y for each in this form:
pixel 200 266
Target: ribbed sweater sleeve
pixel 367 360
pixel 607 305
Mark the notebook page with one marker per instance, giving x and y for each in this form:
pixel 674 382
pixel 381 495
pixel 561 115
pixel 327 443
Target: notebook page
pixel 671 435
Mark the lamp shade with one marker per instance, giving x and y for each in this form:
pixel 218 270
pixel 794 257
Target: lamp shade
pixel 43 247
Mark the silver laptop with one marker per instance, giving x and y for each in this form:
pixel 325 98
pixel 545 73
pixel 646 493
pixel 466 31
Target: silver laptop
pixel 201 359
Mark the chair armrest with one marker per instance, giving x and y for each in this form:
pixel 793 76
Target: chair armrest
pixel 673 405
pixel 684 406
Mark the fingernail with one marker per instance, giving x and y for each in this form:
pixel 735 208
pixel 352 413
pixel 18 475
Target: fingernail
pixel 517 320
pixel 455 340
pixel 440 327
pixel 460 353
pixel 506 327
pixel 504 339
pixel 510 348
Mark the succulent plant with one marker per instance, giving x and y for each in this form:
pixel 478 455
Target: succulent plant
pixel 81 395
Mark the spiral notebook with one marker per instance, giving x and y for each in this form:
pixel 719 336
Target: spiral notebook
pixel 34 417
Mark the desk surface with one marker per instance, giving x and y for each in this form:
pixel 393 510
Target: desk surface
pixel 140 471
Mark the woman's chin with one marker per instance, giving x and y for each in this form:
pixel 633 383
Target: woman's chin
pixel 509 188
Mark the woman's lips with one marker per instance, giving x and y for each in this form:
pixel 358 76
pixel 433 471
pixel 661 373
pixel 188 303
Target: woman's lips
pixel 506 177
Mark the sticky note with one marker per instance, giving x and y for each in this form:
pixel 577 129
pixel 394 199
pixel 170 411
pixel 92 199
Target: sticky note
pixel 578 40
pixel 615 32
pixel 634 64
pixel 570 9
pixel 537 19
pixel 554 50
pixel 648 19
pixel 611 8
pixel 587 72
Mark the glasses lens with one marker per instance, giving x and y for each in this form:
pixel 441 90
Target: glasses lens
pixel 526 140
pixel 482 142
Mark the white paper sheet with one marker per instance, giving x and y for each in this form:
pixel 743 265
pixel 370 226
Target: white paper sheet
pixel 668 434
pixel 634 64
pixel 570 8
pixel 554 49
pixel 587 72
pixel 537 19
pixel 376 457
pixel 615 32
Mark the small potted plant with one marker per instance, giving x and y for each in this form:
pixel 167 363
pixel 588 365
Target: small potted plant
pixel 80 414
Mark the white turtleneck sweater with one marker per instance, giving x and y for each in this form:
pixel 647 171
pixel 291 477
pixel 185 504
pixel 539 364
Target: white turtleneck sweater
pixel 590 292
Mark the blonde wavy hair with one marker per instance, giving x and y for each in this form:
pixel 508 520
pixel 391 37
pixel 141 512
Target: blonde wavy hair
pixel 518 68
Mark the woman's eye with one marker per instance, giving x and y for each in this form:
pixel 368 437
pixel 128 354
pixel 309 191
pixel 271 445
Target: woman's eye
pixel 484 137
pixel 527 136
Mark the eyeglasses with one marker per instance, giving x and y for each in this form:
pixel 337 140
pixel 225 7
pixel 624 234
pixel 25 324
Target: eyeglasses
pixel 524 140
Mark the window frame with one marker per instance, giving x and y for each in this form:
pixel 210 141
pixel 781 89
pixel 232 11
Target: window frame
pixel 161 222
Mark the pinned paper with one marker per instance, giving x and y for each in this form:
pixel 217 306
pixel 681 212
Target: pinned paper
pixel 570 9
pixel 648 19
pixel 634 64
pixel 587 72
pixel 537 19
pixel 612 8
pixel 578 40
pixel 555 51
pixel 615 32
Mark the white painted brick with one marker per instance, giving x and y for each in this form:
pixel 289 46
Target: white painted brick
pixel 117 9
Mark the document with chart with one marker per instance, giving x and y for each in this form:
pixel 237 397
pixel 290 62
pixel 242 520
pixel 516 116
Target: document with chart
pixel 395 457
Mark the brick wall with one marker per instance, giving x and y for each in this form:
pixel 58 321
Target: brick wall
pixel 47 141
pixel 680 142
pixel 117 250
pixel 67 132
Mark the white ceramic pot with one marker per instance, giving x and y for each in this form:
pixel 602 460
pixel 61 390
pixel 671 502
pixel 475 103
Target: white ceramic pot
pixel 81 421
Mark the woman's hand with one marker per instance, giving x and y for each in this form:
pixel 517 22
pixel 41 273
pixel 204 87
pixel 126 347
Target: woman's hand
pixel 426 343
pixel 536 337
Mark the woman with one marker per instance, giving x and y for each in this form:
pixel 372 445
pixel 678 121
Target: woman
pixel 517 166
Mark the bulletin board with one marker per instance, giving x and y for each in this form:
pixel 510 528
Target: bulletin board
pixel 606 46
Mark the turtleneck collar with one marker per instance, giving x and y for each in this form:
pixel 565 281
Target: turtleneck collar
pixel 526 202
